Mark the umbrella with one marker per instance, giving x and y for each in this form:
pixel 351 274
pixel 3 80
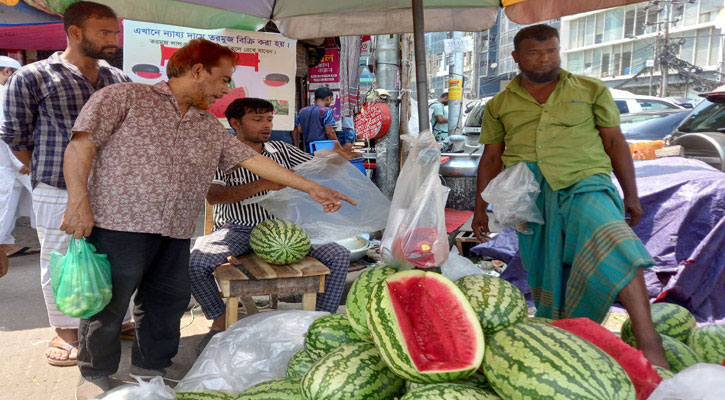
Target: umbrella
pixel 321 18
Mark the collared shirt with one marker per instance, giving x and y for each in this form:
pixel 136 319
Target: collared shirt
pixel 561 136
pixel 154 166
pixel 439 109
pixel 43 100
pixel 313 120
pixel 252 214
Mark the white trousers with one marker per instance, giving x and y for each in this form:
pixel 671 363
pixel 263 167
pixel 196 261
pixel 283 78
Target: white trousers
pixel 49 204
pixel 15 195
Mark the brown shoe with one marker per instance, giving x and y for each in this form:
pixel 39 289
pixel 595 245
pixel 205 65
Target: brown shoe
pixel 91 387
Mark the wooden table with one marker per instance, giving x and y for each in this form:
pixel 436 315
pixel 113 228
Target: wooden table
pixel 249 275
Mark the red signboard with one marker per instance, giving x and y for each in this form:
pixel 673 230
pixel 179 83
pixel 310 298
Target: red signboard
pixel 373 121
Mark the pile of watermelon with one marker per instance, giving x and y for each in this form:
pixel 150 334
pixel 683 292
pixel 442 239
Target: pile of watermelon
pixel 416 335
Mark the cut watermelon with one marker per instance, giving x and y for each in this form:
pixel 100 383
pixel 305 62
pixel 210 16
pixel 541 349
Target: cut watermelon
pixel 644 377
pixel 424 327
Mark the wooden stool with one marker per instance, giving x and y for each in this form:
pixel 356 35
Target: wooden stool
pixel 249 275
pixel 465 237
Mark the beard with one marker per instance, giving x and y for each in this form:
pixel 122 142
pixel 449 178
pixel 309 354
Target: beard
pixel 199 101
pixel 546 77
pixel 89 49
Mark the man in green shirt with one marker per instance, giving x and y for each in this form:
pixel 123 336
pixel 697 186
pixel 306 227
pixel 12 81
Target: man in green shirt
pixel 565 127
pixel 439 119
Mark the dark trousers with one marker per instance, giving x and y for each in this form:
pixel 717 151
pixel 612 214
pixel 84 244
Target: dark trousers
pixel 157 268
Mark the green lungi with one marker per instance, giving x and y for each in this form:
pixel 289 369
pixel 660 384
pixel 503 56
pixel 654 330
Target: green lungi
pixel 585 252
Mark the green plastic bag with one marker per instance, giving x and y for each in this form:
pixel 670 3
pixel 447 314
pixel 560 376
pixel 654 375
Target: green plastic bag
pixel 80 279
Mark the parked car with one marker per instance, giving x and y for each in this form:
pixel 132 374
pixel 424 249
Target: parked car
pixel 651 125
pixel 702 133
pixel 683 101
pixel 633 103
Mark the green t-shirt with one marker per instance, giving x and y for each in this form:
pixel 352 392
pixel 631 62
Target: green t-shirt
pixel 440 129
pixel 561 136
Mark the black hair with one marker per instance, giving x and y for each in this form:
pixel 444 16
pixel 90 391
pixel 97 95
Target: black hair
pixel 323 93
pixel 540 32
pixel 239 107
pixel 77 13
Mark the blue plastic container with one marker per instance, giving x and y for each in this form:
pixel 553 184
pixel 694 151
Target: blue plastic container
pixel 358 163
pixel 321 144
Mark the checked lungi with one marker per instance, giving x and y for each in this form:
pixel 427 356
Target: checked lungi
pixel 584 254
pixel 233 240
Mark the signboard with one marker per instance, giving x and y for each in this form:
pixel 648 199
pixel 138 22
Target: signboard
pixel 458 45
pixel 373 121
pixel 266 63
pixel 455 89
pixel 649 63
pixel 327 73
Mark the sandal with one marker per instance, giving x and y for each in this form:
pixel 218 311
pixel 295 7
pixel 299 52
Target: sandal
pixel 68 347
pixel 24 251
pixel 129 332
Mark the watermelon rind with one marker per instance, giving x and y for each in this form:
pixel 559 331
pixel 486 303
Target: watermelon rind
pixel 539 320
pixel 355 371
pixel 389 338
pixel 669 319
pixel 279 242
pixel 277 389
pixel 533 361
pixel 498 303
pixel 678 354
pixel 449 391
pixel 708 342
pixel 477 379
pixel 299 364
pixel 328 333
pixel 204 396
pixel 664 373
pixel 357 298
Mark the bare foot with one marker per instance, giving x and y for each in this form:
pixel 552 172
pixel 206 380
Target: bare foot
pixel 9 249
pixel 218 324
pixel 4 262
pixel 63 349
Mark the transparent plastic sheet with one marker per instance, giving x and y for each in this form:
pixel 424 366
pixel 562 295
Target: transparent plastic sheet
pixel 80 280
pixel 154 389
pixel 333 171
pixel 253 350
pixel 697 382
pixel 415 235
pixel 512 195
pixel 457 266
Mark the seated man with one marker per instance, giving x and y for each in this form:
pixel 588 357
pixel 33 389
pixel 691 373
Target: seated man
pixel 233 222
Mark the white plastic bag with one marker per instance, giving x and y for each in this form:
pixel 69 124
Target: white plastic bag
pixel 154 389
pixel 512 195
pixel 331 170
pixel 415 234
pixel 457 266
pixel 697 382
pixel 253 350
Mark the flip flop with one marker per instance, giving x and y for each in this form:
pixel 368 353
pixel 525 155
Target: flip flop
pixel 24 251
pixel 128 333
pixel 62 346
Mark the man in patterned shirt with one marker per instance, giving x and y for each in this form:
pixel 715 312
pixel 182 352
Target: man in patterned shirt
pixel 41 104
pixel 233 222
pixel 138 166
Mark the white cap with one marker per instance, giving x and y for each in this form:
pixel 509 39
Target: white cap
pixel 9 62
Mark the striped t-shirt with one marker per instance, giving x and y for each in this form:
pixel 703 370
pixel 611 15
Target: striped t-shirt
pixel 251 214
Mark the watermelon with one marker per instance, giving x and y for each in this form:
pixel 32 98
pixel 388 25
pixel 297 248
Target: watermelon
pixel 664 373
pixel 497 302
pixel 279 242
pixel 449 391
pixel 277 389
pixel 669 319
pixel 644 378
pixel 357 298
pixel 708 342
pixel 539 320
pixel 328 333
pixel 204 396
pixel 299 364
pixel 355 371
pixel 678 354
pixel 424 327
pixel 536 361
pixel 478 379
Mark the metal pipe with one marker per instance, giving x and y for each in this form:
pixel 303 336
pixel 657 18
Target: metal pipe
pixel 421 75
pixel 455 71
pixel 386 148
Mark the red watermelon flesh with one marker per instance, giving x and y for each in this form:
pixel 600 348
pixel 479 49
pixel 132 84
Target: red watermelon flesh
pixel 633 361
pixel 438 330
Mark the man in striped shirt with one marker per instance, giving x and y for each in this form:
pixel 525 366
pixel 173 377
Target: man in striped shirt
pixel 42 102
pixel 233 221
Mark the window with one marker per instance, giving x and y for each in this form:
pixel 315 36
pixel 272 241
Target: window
pixel 580 34
pixel 709 10
pixel 596 62
pixel 688 48
pixel 652 17
pixel 639 22
pixel 599 28
pixel 703 46
pixel 617 63
pixel 715 48
pixel 576 61
pixel 643 51
pixel 649 105
pixel 572 33
pixel 613 24
pixel 629 21
pixel 605 64
pixel 626 59
pixel 690 13
pixel 677 15
pixel 587 70
pixel 622 106
pixel 589 34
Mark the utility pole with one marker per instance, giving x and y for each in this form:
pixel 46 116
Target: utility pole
pixel 386 148
pixel 664 66
pixel 455 88
pixel 652 68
